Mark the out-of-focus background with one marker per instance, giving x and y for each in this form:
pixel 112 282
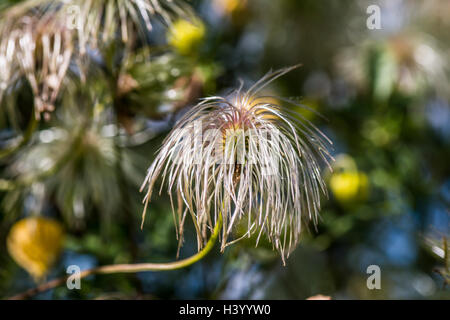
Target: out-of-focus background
pixel 384 99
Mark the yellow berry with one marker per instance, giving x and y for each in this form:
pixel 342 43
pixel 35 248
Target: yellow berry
pixel 185 36
pixel 349 187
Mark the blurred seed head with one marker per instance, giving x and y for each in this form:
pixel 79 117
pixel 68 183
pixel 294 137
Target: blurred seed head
pixel 39 39
pixel 248 159
pixel 44 51
pixel 101 21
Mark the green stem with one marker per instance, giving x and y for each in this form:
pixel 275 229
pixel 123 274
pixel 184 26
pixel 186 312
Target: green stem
pixel 129 268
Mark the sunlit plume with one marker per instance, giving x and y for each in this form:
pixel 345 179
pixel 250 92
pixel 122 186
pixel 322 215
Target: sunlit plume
pixel 247 159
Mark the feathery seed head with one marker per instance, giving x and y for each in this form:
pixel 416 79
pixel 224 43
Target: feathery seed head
pixel 44 52
pixel 39 39
pixel 244 158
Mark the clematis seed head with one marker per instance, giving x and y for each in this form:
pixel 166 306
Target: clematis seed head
pixel 247 159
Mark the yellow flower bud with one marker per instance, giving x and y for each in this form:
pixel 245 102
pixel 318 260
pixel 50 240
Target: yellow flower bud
pixel 229 6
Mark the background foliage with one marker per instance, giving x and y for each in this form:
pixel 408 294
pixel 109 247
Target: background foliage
pixel 384 95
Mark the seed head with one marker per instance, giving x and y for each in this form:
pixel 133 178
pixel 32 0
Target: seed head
pixel 246 158
pixel 40 39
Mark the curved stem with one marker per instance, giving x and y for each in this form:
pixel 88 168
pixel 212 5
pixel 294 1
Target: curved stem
pixel 23 140
pixel 129 268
